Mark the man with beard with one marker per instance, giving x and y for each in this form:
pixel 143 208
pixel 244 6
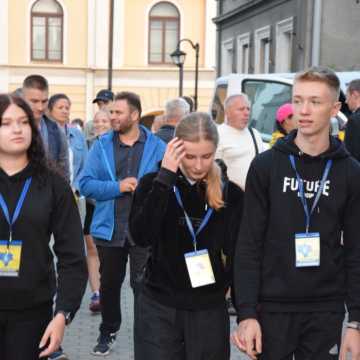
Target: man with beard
pixel 116 162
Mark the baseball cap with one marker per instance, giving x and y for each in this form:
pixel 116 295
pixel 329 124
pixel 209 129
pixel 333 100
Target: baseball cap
pixel 104 95
pixel 283 112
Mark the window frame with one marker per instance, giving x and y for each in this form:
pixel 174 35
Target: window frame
pixel 243 41
pixel 227 56
pixel 163 20
pixel 284 28
pixel 262 35
pixel 47 16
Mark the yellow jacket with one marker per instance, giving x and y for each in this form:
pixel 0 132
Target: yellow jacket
pixel 275 136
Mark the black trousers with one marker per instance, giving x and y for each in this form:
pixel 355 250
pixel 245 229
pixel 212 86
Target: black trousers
pixel 164 333
pixel 113 262
pixel 21 332
pixel 303 336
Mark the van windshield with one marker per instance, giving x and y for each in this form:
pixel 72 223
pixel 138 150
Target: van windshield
pixel 266 97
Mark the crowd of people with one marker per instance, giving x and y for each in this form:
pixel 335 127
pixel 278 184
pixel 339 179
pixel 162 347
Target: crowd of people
pixel 206 215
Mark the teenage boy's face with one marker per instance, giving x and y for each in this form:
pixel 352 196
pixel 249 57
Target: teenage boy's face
pixel 314 105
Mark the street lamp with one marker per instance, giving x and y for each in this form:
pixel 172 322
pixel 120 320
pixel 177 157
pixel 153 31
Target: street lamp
pixel 178 58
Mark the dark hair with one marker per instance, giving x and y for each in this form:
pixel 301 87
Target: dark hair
pixel 55 98
pixel 132 99
pixel 321 74
pixel 279 127
pixel 78 121
pixel 354 85
pixel 35 151
pixel 190 101
pixel 36 82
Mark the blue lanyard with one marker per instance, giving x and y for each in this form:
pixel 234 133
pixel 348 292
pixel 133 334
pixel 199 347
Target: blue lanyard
pixel 188 221
pixel 18 207
pixel 302 193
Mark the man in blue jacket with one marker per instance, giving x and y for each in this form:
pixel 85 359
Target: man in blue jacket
pixel 115 163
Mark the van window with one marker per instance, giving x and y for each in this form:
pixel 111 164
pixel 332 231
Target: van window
pixel 217 107
pixel 266 97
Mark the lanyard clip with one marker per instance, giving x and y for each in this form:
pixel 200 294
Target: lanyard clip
pixel 10 239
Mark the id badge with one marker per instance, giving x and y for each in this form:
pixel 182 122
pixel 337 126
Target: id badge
pixel 10 258
pixel 307 249
pixel 199 268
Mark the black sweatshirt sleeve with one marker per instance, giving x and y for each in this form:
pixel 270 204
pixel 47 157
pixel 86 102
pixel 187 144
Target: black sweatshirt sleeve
pixel 247 263
pixel 69 249
pixel 234 203
pixel 352 134
pixel 352 243
pixel 149 206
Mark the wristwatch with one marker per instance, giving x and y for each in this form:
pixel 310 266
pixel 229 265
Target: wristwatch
pixel 67 315
pixel 353 325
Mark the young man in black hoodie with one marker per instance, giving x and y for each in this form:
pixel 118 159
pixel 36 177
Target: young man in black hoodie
pixel 297 261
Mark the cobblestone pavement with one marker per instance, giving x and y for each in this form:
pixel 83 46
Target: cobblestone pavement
pixel 81 335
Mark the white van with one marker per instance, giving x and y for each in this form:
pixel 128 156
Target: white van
pixel 267 92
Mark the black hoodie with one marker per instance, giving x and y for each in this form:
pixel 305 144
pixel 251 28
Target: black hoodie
pixel 266 277
pixel 158 221
pixel 49 208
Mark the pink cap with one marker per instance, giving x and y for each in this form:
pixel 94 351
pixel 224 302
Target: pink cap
pixel 283 112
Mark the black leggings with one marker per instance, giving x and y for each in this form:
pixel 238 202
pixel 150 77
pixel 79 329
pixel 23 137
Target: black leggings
pixel 163 333
pixel 21 332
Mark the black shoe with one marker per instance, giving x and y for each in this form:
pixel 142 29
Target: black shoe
pixel 104 344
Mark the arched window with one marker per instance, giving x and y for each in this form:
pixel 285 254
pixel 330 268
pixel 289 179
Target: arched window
pixel 164 30
pixel 47 31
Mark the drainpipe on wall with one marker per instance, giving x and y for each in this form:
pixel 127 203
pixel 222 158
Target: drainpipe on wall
pixel 315 53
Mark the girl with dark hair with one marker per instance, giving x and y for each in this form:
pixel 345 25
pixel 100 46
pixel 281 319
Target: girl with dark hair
pixel 189 213
pixel 34 203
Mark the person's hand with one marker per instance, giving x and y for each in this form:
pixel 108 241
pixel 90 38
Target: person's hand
pixel 247 337
pixel 174 153
pixel 128 184
pixel 53 335
pixel 350 344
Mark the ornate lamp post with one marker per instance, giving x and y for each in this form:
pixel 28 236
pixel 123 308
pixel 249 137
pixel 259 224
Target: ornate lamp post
pixel 178 58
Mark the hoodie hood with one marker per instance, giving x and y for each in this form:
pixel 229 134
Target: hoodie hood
pixel 287 145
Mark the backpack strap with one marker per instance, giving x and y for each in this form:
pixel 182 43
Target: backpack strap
pixel 254 140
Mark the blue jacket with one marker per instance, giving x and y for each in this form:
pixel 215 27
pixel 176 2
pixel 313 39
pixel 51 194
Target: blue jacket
pixel 55 143
pixel 79 149
pixel 98 180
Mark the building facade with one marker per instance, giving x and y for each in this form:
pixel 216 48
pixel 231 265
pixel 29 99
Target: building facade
pixel 264 36
pixel 68 42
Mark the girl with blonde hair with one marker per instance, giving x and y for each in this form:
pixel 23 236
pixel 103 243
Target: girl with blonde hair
pixel 189 214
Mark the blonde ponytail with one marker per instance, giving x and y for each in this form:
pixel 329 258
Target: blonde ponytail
pixel 214 192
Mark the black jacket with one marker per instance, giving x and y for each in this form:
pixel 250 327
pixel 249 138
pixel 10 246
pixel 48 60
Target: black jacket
pixel 352 134
pixel 265 271
pixel 49 208
pixel 157 220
